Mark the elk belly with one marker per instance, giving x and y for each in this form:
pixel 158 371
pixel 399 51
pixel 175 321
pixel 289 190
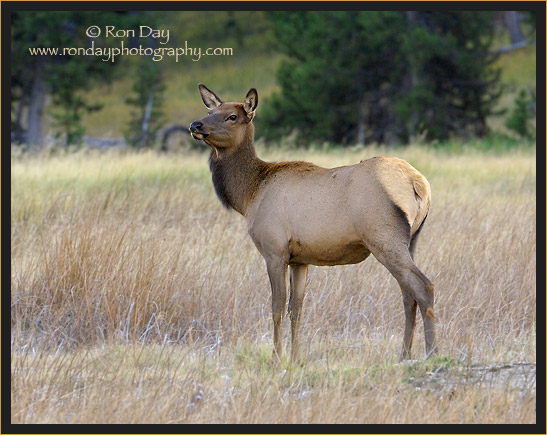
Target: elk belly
pixel 326 254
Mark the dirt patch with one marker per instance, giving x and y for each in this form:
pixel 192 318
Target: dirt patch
pixel 515 376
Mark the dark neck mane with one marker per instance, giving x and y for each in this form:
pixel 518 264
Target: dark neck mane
pixel 236 176
pixel 239 174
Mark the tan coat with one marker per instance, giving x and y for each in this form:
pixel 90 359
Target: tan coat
pixel 300 214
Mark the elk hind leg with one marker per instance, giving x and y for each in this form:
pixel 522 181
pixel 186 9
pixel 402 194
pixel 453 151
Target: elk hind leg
pixel 426 308
pixel 412 281
pixel 410 323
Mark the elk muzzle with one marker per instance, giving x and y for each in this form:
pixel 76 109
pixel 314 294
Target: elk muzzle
pixel 195 130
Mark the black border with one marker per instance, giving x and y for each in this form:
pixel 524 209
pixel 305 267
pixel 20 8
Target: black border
pixel 8 6
pixel 320 5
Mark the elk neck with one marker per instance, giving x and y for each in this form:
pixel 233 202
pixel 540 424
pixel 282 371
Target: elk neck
pixel 238 174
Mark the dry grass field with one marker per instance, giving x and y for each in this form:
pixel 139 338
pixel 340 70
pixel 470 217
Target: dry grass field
pixel 136 298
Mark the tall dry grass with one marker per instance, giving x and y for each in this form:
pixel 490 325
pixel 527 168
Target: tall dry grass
pixel 135 297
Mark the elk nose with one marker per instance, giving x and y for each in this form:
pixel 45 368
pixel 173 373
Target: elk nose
pixel 196 125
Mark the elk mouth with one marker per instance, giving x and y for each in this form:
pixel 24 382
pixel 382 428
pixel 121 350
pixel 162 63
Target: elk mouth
pixel 198 136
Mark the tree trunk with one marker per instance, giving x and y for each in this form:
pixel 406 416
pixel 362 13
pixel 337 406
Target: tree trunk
pixel 36 108
pixel 146 119
pixel 361 122
pixel 18 136
pixel 512 20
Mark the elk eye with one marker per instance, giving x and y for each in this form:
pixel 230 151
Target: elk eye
pixel 232 117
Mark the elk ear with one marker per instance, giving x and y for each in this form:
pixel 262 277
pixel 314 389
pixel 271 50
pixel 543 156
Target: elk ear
pixel 210 99
pixel 251 101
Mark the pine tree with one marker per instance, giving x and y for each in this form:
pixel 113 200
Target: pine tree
pixel 62 77
pixel 338 63
pixel 456 87
pixel 382 76
pixel 519 118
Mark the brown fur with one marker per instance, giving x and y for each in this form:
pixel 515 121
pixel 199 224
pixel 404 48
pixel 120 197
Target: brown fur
pixel 300 214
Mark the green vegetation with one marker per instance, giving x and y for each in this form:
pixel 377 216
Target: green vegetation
pixel 360 86
pixel 519 119
pixel 434 364
pixel 372 82
pixel 64 78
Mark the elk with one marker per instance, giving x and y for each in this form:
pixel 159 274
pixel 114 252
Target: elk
pixel 300 214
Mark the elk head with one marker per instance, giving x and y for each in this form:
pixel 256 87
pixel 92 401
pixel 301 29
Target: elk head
pixel 228 124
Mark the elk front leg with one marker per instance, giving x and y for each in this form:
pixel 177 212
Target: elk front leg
pixel 277 272
pixel 298 276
